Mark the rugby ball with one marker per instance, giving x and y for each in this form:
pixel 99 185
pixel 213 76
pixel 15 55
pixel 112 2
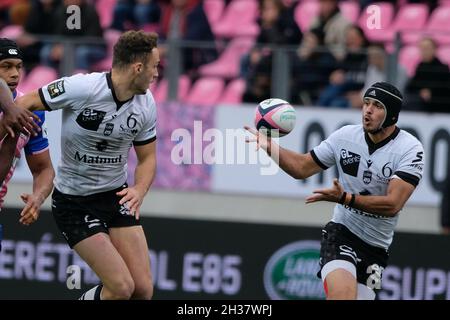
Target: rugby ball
pixel 275 117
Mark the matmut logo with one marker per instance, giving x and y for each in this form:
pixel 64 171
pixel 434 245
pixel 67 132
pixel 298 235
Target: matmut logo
pixel 91 159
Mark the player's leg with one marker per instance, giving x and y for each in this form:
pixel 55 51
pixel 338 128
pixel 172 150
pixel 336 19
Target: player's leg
pixel 103 258
pixel 339 280
pixel 130 242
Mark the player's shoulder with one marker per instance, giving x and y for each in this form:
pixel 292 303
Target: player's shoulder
pixel 146 102
pixel 406 140
pixel 348 131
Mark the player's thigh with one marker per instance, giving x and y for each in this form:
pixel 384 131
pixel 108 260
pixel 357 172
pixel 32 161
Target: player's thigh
pixel 131 243
pixel 340 282
pixel 100 254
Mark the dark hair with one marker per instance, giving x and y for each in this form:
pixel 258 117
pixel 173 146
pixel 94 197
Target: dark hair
pixel 133 46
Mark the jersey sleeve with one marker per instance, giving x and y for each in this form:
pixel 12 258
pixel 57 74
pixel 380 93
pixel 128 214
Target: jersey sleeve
pixel 67 92
pixel 410 168
pixel 39 143
pixel 324 153
pixel 148 132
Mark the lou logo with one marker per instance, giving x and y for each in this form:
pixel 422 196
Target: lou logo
pixel 291 272
pixel 367 176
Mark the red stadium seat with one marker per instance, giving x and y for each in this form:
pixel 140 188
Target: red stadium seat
pixel 239 19
pixel 162 89
pixel 206 91
pixel 409 57
pixel 227 65
pixel 368 19
pixel 233 92
pixel 305 13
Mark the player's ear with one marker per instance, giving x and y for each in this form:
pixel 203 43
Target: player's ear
pixel 138 67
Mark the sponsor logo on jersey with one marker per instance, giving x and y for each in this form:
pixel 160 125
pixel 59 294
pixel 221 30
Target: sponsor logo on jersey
pixel 97 159
pixel 90 119
pixel 345 250
pixel 109 127
pixel 56 89
pixel 291 272
pixel 101 145
pixel 126 131
pixel 350 162
pixel 367 176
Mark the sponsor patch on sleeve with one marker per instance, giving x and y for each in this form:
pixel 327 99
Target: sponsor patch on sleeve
pixel 56 89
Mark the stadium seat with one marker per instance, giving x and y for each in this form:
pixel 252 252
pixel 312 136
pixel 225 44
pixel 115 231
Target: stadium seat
pixel 439 25
pixel 239 19
pixel 350 10
pixel 213 10
pixel 105 10
pixel 367 20
pixel 206 91
pixel 305 13
pixel 233 92
pixel 410 20
pixel 39 76
pixel 11 32
pixel 443 54
pixel 409 57
pixel 161 92
pixel 227 65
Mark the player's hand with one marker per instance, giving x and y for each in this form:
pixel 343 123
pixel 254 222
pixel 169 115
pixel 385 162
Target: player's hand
pixel 333 194
pixel 133 199
pixel 262 141
pixel 32 208
pixel 20 119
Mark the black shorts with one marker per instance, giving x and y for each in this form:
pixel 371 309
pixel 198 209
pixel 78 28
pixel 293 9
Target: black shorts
pixel 339 243
pixel 79 217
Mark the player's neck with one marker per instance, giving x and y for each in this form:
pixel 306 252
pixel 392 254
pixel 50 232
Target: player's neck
pixel 121 85
pixel 381 135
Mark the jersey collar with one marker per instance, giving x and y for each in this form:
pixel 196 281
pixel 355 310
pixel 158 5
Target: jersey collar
pixel 113 92
pixel 374 146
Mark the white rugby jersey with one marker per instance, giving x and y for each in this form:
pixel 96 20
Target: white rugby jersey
pixel 97 131
pixel 366 168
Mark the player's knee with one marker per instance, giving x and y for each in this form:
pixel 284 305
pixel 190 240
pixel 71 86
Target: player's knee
pixel 123 290
pixel 143 290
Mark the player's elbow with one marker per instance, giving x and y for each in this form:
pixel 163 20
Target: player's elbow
pixel 393 209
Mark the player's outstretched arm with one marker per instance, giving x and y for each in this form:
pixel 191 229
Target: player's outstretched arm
pixel 31 101
pixel 297 165
pixel 42 170
pixel 388 205
pixel 143 176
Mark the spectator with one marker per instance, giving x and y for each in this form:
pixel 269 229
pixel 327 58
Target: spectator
pixel 277 27
pixel 186 20
pixel 85 54
pixel 137 12
pixel 377 72
pixel 40 23
pixel 350 73
pixel 428 89
pixel 313 64
pixel 334 25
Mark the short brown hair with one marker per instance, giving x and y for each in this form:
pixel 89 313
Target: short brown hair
pixel 133 46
